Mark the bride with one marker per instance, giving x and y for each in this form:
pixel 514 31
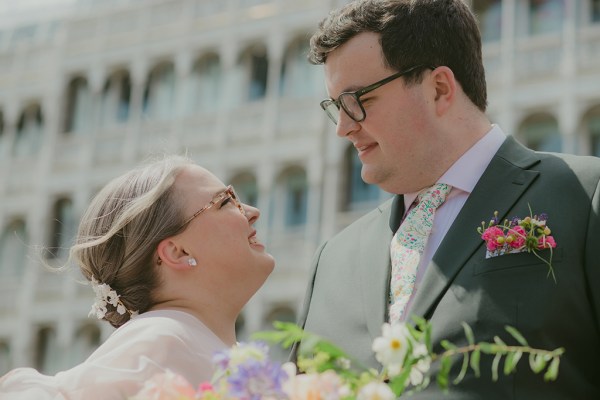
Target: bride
pixel 173 257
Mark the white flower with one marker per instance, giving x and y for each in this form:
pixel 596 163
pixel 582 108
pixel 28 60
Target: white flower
pixel 112 297
pixel 343 363
pixel 421 367
pixel 105 295
pixel 375 391
pixel 165 386
pixel 240 353
pixel 121 309
pixel 326 386
pixel 99 310
pixel 391 348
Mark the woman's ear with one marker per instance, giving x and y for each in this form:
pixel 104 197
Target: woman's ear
pixel 445 89
pixel 172 254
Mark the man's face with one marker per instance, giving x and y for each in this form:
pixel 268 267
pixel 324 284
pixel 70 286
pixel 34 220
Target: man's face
pixel 395 141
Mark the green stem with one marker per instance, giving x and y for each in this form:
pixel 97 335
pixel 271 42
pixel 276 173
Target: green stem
pixel 501 349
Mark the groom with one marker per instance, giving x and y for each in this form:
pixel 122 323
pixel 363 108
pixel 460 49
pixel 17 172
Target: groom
pixel 408 89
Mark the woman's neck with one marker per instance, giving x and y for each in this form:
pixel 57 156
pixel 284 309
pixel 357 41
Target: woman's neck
pixel 221 324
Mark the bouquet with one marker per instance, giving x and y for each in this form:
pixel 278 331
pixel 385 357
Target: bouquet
pixel 324 371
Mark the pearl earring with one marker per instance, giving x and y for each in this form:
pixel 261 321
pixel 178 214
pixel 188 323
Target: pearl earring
pixel 192 262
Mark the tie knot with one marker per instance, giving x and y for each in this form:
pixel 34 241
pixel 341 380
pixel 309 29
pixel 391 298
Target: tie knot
pixel 435 195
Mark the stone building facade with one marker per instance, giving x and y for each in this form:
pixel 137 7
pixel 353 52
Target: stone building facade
pixel 88 93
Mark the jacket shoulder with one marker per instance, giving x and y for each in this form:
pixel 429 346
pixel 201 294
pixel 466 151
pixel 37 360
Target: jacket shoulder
pixel 373 216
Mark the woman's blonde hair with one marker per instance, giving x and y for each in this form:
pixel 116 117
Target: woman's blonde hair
pixel 119 232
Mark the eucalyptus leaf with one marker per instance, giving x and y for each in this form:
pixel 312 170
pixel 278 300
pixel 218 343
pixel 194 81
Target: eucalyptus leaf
pixel 517 335
pixel 552 372
pixel 510 362
pixel 475 356
pixel 463 369
pixel 495 365
pixel 442 377
pixel 448 345
pixel 469 333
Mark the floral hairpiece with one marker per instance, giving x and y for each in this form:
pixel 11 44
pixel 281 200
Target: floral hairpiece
pixel 105 295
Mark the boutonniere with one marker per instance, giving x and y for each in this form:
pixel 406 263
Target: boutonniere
pixel 530 234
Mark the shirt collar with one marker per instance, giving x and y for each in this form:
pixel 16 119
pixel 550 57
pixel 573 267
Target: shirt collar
pixel 467 170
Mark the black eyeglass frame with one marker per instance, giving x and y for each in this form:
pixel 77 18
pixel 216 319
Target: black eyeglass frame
pixel 325 104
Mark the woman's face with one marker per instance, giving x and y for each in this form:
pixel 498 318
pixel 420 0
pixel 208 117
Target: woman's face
pixel 232 262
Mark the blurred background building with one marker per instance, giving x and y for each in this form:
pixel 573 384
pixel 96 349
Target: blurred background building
pixel 90 88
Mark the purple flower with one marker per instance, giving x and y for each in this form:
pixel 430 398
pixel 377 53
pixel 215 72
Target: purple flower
pixel 254 380
pixel 221 359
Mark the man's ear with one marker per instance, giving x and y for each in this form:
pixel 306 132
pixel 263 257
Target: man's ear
pixel 445 89
pixel 172 254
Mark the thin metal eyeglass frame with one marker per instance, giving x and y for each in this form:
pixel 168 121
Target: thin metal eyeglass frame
pixel 358 93
pixel 229 192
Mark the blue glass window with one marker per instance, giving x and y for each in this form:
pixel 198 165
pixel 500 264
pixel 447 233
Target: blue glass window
pixel 542 134
pixel 296 199
pixel 359 192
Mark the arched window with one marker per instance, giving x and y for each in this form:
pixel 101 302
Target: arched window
pixel 2 136
pixel 595 10
pixel 87 339
pixel 116 98
pixel 489 15
pixel 281 314
pixel 79 106
pixel 296 198
pixel 5 363
pixel 359 194
pixel 29 132
pixel 47 354
pixel 298 76
pixel 240 326
pixel 545 16
pixel 63 228
pixel 594 133
pixel 206 85
pixel 13 251
pixel 253 73
pixel 159 96
pixel 540 132
pixel 246 188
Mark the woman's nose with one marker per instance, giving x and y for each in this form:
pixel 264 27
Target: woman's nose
pixel 252 213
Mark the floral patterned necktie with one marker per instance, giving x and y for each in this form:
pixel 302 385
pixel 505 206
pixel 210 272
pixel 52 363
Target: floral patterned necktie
pixel 408 244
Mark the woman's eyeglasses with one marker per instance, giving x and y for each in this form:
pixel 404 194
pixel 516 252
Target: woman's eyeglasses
pixel 227 194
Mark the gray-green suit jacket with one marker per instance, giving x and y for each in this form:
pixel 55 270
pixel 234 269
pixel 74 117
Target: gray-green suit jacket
pixel 347 296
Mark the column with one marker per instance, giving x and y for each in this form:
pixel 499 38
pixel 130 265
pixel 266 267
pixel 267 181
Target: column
pixel 314 175
pixel 183 69
pixel 138 75
pixel 275 50
pixel 507 54
pixel 567 114
pixel 265 181
pixel 231 91
pixel 8 139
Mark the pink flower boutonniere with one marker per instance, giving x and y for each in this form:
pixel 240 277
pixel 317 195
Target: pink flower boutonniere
pixel 529 234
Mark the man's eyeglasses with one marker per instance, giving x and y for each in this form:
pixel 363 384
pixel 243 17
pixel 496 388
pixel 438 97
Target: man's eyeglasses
pixel 350 101
pixel 227 194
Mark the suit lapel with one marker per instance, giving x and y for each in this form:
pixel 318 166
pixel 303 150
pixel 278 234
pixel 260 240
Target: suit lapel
pixel 375 266
pixel 501 185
